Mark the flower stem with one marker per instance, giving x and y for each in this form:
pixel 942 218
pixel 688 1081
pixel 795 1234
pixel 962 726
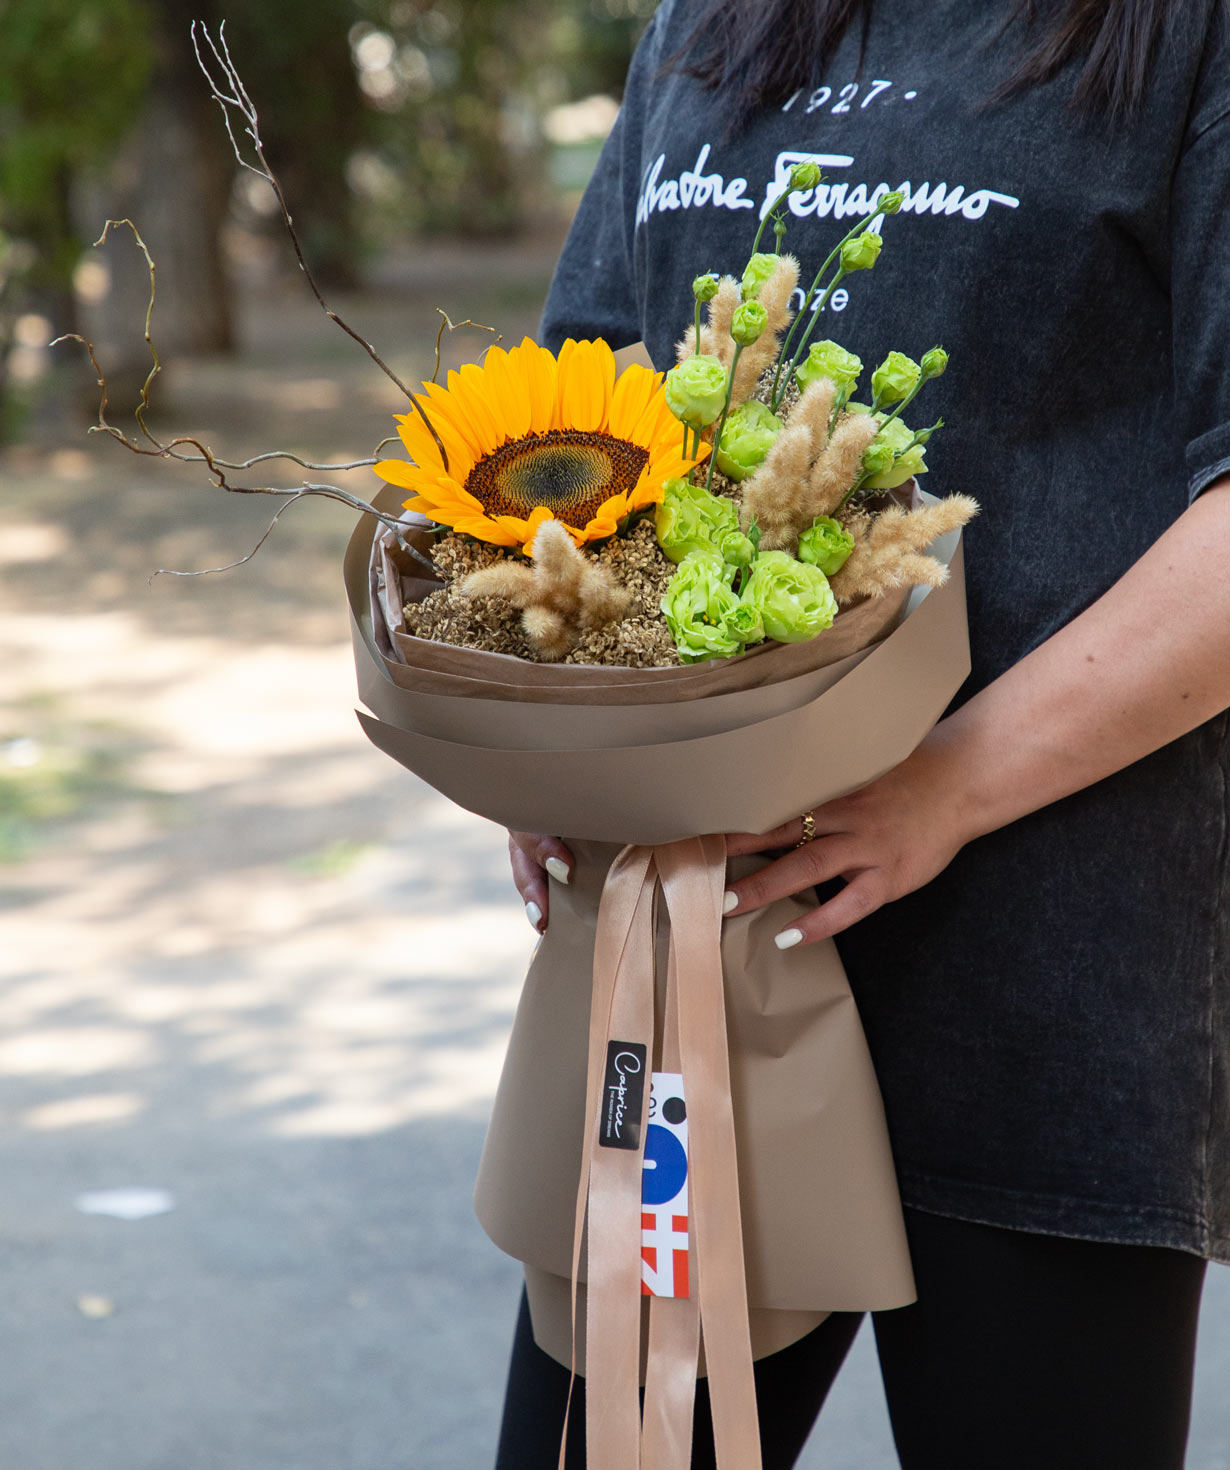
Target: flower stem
pixel 858 229
pixel 779 393
pixel 730 388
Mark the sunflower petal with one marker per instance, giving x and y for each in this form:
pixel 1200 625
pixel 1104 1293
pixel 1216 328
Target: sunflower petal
pixel 509 394
pixel 424 451
pixel 634 388
pixel 473 395
pixel 586 383
pixel 540 371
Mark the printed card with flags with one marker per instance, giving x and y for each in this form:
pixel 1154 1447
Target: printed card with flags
pixel 664 1190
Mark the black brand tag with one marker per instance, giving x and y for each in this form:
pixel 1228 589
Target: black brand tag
pixel 623 1095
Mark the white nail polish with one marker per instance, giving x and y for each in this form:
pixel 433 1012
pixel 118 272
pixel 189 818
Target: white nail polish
pixel 558 869
pixel 788 938
pixel 534 914
pixel 730 902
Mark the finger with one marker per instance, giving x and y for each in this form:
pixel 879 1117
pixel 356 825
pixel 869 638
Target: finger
pixel 548 852
pixel 801 868
pixel 740 843
pixel 862 895
pixel 531 883
pixel 826 820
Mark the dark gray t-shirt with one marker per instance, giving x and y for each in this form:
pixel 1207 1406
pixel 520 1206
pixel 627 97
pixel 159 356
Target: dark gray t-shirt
pixel 1051 1016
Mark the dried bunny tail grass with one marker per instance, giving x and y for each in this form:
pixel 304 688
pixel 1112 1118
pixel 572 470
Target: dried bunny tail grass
pixel 838 467
pixel 721 312
pixel 753 361
pixel 861 578
pixel 561 595
pixel 776 292
pixel 505 579
pixel 815 408
pixel 686 346
pixel 559 566
pixel 774 295
pixel 771 495
pixel 887 548
pixel 549 635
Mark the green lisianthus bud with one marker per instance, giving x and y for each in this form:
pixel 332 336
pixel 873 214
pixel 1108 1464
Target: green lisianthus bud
pixel 794 599
pixel 861 253
pixel 878 457
pixel 705 288
pixel 826 544
pixel 891 203
pixel 895 378
pixel 748 436
pixel 758 270
pixel 696 390
pixel 933 363
pixel 907 456
pixel 690 519
pixel 828 360
pixel 804 176
pixel 696 605
pixel 735 549
pixel 748 322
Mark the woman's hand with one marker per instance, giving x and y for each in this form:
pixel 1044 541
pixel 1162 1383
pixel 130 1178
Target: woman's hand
pixel 885 840
pixel 533 856
pixel 1144 664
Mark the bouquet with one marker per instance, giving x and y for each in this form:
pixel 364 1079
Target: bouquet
pixel 659 610
pixel 638 611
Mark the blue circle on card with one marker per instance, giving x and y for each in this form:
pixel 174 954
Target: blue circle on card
pixel 669 1173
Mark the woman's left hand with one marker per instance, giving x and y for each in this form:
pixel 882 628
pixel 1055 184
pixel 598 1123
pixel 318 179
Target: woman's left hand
pixel 885 840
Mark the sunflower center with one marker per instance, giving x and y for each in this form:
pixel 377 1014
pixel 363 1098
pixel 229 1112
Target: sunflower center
pixel 567 470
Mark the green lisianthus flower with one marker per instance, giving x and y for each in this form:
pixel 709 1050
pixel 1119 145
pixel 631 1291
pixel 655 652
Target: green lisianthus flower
pixel 744 622
pixel 705 288
pixel 805 175
pixel 696 605
pixel 748 436
pixel 748 323
pixel 892 202
pixel 690 519
pixel 696 390
pixel 861 253
pixel 828 360
pixel 756 273
pixel 895 378
pixel 826 544
pixel 794 599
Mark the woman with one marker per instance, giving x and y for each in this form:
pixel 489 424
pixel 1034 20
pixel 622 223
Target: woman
pixel 1033 909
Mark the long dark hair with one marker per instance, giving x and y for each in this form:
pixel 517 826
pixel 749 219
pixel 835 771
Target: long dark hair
pixel 762 51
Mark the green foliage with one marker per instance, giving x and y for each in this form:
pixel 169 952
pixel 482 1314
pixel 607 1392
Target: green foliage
pixel 72 74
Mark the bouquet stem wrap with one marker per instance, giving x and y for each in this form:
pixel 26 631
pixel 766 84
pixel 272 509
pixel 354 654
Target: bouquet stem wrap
pixel 693 878
pixel 792 1172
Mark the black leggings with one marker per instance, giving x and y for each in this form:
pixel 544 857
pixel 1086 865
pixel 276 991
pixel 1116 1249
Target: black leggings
pixel 1023 1352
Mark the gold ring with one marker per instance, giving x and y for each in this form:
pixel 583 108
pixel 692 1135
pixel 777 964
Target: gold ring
pixel 809 829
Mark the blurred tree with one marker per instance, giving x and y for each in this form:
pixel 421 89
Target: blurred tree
pixel 593 41
pixel 72 74
pixel 298 70
pixel 455 79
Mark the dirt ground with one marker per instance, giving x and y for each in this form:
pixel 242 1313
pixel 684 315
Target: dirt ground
pixel 247 960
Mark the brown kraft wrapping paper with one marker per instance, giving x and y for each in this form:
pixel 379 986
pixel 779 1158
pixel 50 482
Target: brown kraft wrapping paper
pixel 607 758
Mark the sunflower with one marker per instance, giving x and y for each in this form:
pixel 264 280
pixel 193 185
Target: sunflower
pixel 531 438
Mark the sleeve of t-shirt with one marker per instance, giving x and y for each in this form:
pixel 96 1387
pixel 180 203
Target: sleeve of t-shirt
pixel 594 291
pixel 1200 271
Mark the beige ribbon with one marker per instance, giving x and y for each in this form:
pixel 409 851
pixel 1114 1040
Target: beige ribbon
pixel 692 873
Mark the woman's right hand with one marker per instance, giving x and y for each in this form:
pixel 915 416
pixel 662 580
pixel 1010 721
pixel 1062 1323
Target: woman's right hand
pixel 533 855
